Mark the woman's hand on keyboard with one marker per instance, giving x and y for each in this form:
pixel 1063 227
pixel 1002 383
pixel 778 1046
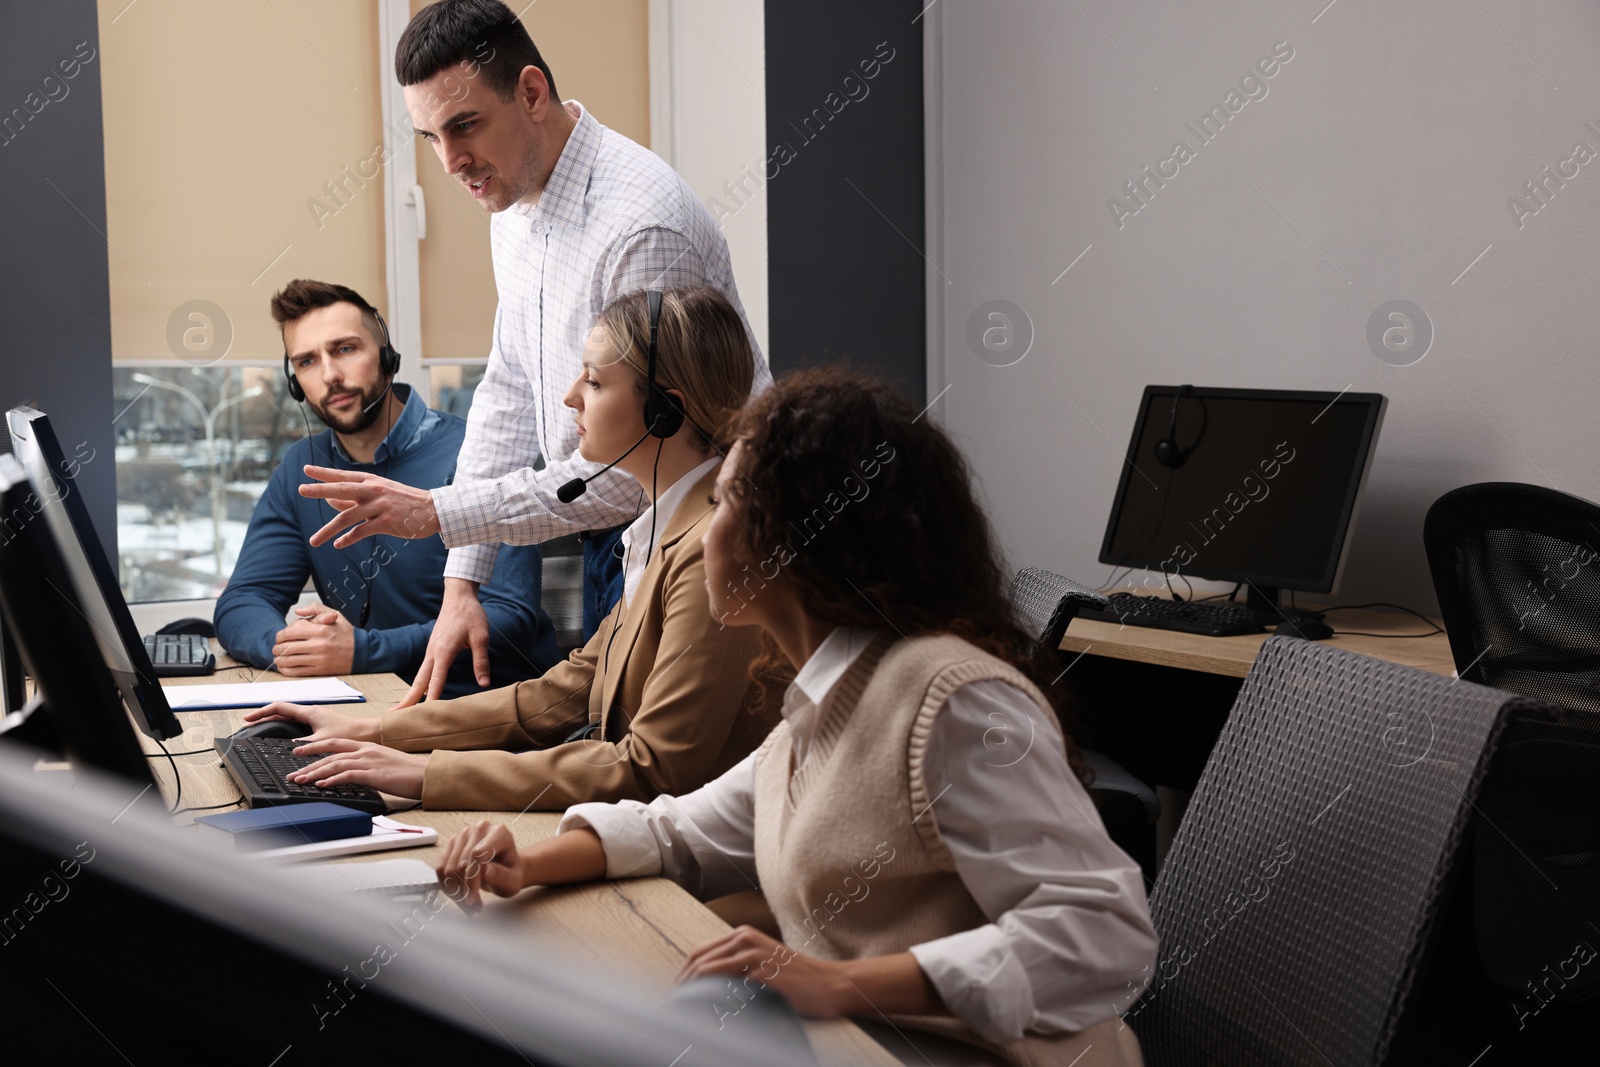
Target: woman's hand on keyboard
pixel 325 723
pixel 348 762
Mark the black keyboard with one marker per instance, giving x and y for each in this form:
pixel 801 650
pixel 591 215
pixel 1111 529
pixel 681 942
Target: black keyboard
pixel 260 766
pixel 176 655
pixel 1214 618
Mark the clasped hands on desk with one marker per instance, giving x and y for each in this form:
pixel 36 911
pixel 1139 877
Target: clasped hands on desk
pixel 641 929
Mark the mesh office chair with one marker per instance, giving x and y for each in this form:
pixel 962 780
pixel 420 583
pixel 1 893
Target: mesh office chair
pixel 1517 573
pixel 1045 604
pixel 1297 900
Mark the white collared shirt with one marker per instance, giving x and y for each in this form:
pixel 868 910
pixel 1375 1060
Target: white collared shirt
pixel 1069 926
pixel 635 551
pixel 613 218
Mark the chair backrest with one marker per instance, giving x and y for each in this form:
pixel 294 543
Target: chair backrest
pixel 1295 903
pixel 1517 572
pixel 1046 603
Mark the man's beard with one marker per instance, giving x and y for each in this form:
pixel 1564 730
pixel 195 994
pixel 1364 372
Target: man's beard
pixel 364 414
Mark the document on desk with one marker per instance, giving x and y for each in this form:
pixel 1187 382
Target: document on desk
pixel 386 834
pixel 217 695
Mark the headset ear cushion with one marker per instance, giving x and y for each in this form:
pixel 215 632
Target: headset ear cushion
pixel 662 416
pixel 1166 453
pixel 295 392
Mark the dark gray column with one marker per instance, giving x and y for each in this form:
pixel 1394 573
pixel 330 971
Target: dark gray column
pixel 55 303
pixel 844 187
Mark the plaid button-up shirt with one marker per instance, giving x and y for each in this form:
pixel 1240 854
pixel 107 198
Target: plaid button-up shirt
pixel 613 218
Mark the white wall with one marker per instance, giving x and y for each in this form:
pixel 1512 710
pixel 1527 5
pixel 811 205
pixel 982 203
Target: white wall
pixel 708 119
pixel 1378 166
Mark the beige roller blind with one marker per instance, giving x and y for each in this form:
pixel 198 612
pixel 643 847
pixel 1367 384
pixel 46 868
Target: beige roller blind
pixel 598 51
pixel 225 124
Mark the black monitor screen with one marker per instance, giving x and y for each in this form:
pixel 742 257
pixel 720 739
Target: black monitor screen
pixel 57 498
pixel 1243 484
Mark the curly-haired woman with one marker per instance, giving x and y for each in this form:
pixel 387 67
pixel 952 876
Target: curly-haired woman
pixel 916 823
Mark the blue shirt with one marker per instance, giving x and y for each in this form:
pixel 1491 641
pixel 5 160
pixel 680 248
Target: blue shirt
pixel 404 579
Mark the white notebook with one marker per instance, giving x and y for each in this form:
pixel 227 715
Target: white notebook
pixel 386 834
pixel 390 878
pixel 215 695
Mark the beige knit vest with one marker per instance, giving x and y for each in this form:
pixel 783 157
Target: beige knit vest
pixel 848 848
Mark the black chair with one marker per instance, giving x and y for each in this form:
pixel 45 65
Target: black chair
pixel 1517 572
pixel 1298 905
pixel 1045 604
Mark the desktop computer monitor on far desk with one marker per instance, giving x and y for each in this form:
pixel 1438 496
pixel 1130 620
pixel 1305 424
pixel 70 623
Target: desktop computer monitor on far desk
pixel 1255 486
pixel 58 500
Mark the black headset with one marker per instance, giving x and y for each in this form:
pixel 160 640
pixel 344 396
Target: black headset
pixel 663 416
pixel 388 358
pixel 1168 453
pixel 389 364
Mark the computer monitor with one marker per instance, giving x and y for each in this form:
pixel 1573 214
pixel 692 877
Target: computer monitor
pixel 36 447
pixel 42 601
pixel 13 676
pixel 1244 485
pixel 13 681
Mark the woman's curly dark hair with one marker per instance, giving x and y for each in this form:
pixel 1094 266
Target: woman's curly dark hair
pixel 867 510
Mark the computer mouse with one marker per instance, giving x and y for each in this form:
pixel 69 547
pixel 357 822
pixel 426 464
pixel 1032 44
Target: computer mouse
pixel 286 728
pixel 1305 627
pixel 198 627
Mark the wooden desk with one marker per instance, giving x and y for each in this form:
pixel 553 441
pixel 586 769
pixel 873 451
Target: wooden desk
pixel 643 928
pixel 1233 655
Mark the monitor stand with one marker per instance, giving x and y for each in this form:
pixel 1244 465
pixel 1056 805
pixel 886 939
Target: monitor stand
pixel 1264 597
pixel 13 690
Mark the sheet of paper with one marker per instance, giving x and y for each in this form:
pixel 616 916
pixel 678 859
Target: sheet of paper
pixel 260 694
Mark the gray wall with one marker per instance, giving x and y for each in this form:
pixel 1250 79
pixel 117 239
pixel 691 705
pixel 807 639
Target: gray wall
pixel 1378 166
pixel 55 310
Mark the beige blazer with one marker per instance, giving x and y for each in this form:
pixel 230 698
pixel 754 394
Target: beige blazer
pixel 672 695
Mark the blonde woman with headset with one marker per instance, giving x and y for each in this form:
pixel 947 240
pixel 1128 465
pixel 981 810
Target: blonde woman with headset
pixel 659 701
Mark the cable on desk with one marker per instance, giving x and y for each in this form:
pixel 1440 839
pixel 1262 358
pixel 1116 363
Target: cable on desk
pixel 176 777
pixel 1113 579
pixel 1173 591
pixel 212 807
pixel 1375 604
pixel 191 752
pixel 1397 637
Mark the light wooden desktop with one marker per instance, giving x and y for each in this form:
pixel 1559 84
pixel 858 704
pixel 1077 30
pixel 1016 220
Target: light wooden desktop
pixel 641 928
pixel 1233 655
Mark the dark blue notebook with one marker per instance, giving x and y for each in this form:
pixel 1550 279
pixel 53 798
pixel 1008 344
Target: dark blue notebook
pixel 291 824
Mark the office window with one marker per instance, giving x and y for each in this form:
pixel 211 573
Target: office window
pixel 453 384
pixel 193 263
pixel 195 446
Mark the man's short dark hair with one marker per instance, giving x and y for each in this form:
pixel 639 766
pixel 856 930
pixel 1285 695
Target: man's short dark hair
pixel 481 33
pixel 303 296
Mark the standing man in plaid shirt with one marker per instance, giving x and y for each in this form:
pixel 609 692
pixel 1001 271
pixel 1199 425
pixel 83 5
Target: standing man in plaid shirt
pixel 581 214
